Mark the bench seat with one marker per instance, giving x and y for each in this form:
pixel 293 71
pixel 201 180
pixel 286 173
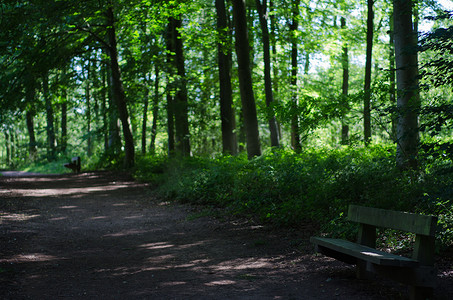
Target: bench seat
pixel 363 252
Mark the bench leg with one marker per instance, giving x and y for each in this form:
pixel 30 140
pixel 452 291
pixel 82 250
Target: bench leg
pixel 420 293
pixel 362 272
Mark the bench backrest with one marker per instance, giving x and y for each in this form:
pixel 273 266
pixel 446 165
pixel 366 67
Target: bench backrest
pixel 418 224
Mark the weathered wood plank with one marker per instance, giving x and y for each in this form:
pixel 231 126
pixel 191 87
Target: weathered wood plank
pixel 365 253
pixel 418 224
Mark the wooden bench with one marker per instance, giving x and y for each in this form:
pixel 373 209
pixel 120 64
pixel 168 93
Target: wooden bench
pixel 75 164
pixel 418 272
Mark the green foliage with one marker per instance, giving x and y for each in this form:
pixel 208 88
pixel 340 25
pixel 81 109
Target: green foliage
pixel 44 167
pixel 317 185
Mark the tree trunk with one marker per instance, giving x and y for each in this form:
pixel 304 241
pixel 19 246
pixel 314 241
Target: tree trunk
pixel 145 119
pixel 64 123
pixel 295 135
pixel 155 111
pixel 114 139
pixel 50 129
pixel 88 113
pixel 105 123
pixel 30 94
pixel 345 86
pixel 392 81
pixel 408 101
pixel 170 90
pixel 273 41
pixel 8 147
pixel 227 116
pixel 118 89
pixel 180 104
pixel 273 128
pixel 245 79
pixel 367 87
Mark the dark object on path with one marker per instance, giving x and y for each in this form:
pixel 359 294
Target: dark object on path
pixel 419 272
pixel 75 164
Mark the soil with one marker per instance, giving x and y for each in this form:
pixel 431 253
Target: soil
pixel 103 235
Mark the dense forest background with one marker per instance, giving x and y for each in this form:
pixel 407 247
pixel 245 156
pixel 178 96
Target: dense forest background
pixel 286 109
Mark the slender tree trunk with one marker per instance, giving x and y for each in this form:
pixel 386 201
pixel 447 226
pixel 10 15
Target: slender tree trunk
pixel 408 101
pixel 145 119
pixel 88 112
pixel 30 94
pixel 64 123
pixel 105 123
pixel 273 128
pixel 8 147
pixel 32 151
pixel 245 79
pixel 345 86
pixel 367 87
pixel 119 91
pixel 227 115
pixel 50 129
pixel 295 136
pixel 273 41
pixel 392 80
pixel 170 90
pixel 155 111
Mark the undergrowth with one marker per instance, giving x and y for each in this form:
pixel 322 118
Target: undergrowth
pixel 288 189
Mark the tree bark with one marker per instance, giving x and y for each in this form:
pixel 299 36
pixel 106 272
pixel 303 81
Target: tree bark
pixel 105 123
pixel 273 128
pixel 64 123
pixel 88 112
pixel 345 86
pixel 180 103
pixel 227 114
pixel 9 160
pixel 295 135
pixel 145 119
pixel 245 79
pixel 118 89
pixel 152 147
pixel 392 80
pixel 30 94
pixel 367 87
pixel 408 100
pixel 114 139
pixel 50 129
pixel 170 90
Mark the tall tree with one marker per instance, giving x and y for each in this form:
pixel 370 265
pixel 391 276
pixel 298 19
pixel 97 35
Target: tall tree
pixel 145 119
pixel 345 85
pixel 392 79
pixel 408 99
pixel 227 114
pixel 367 87
pixel 263 17
pixel 30 94
pixel 295 135
pixel 245 79
pixel 50 128
pixel 118 89
pixel 156 98
pixel 181 101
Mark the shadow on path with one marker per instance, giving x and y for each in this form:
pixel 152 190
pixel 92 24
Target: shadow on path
pixel 103 235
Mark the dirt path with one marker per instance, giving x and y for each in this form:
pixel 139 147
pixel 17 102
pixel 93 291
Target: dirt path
pixel 102 235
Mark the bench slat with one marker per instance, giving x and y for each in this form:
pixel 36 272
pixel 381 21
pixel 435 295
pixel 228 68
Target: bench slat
pixel 418 224
pixel 364 253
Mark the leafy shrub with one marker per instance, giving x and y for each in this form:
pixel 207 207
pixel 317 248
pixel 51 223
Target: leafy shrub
pixel 289 189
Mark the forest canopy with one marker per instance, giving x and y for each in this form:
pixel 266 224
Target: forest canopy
pixel 110 80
